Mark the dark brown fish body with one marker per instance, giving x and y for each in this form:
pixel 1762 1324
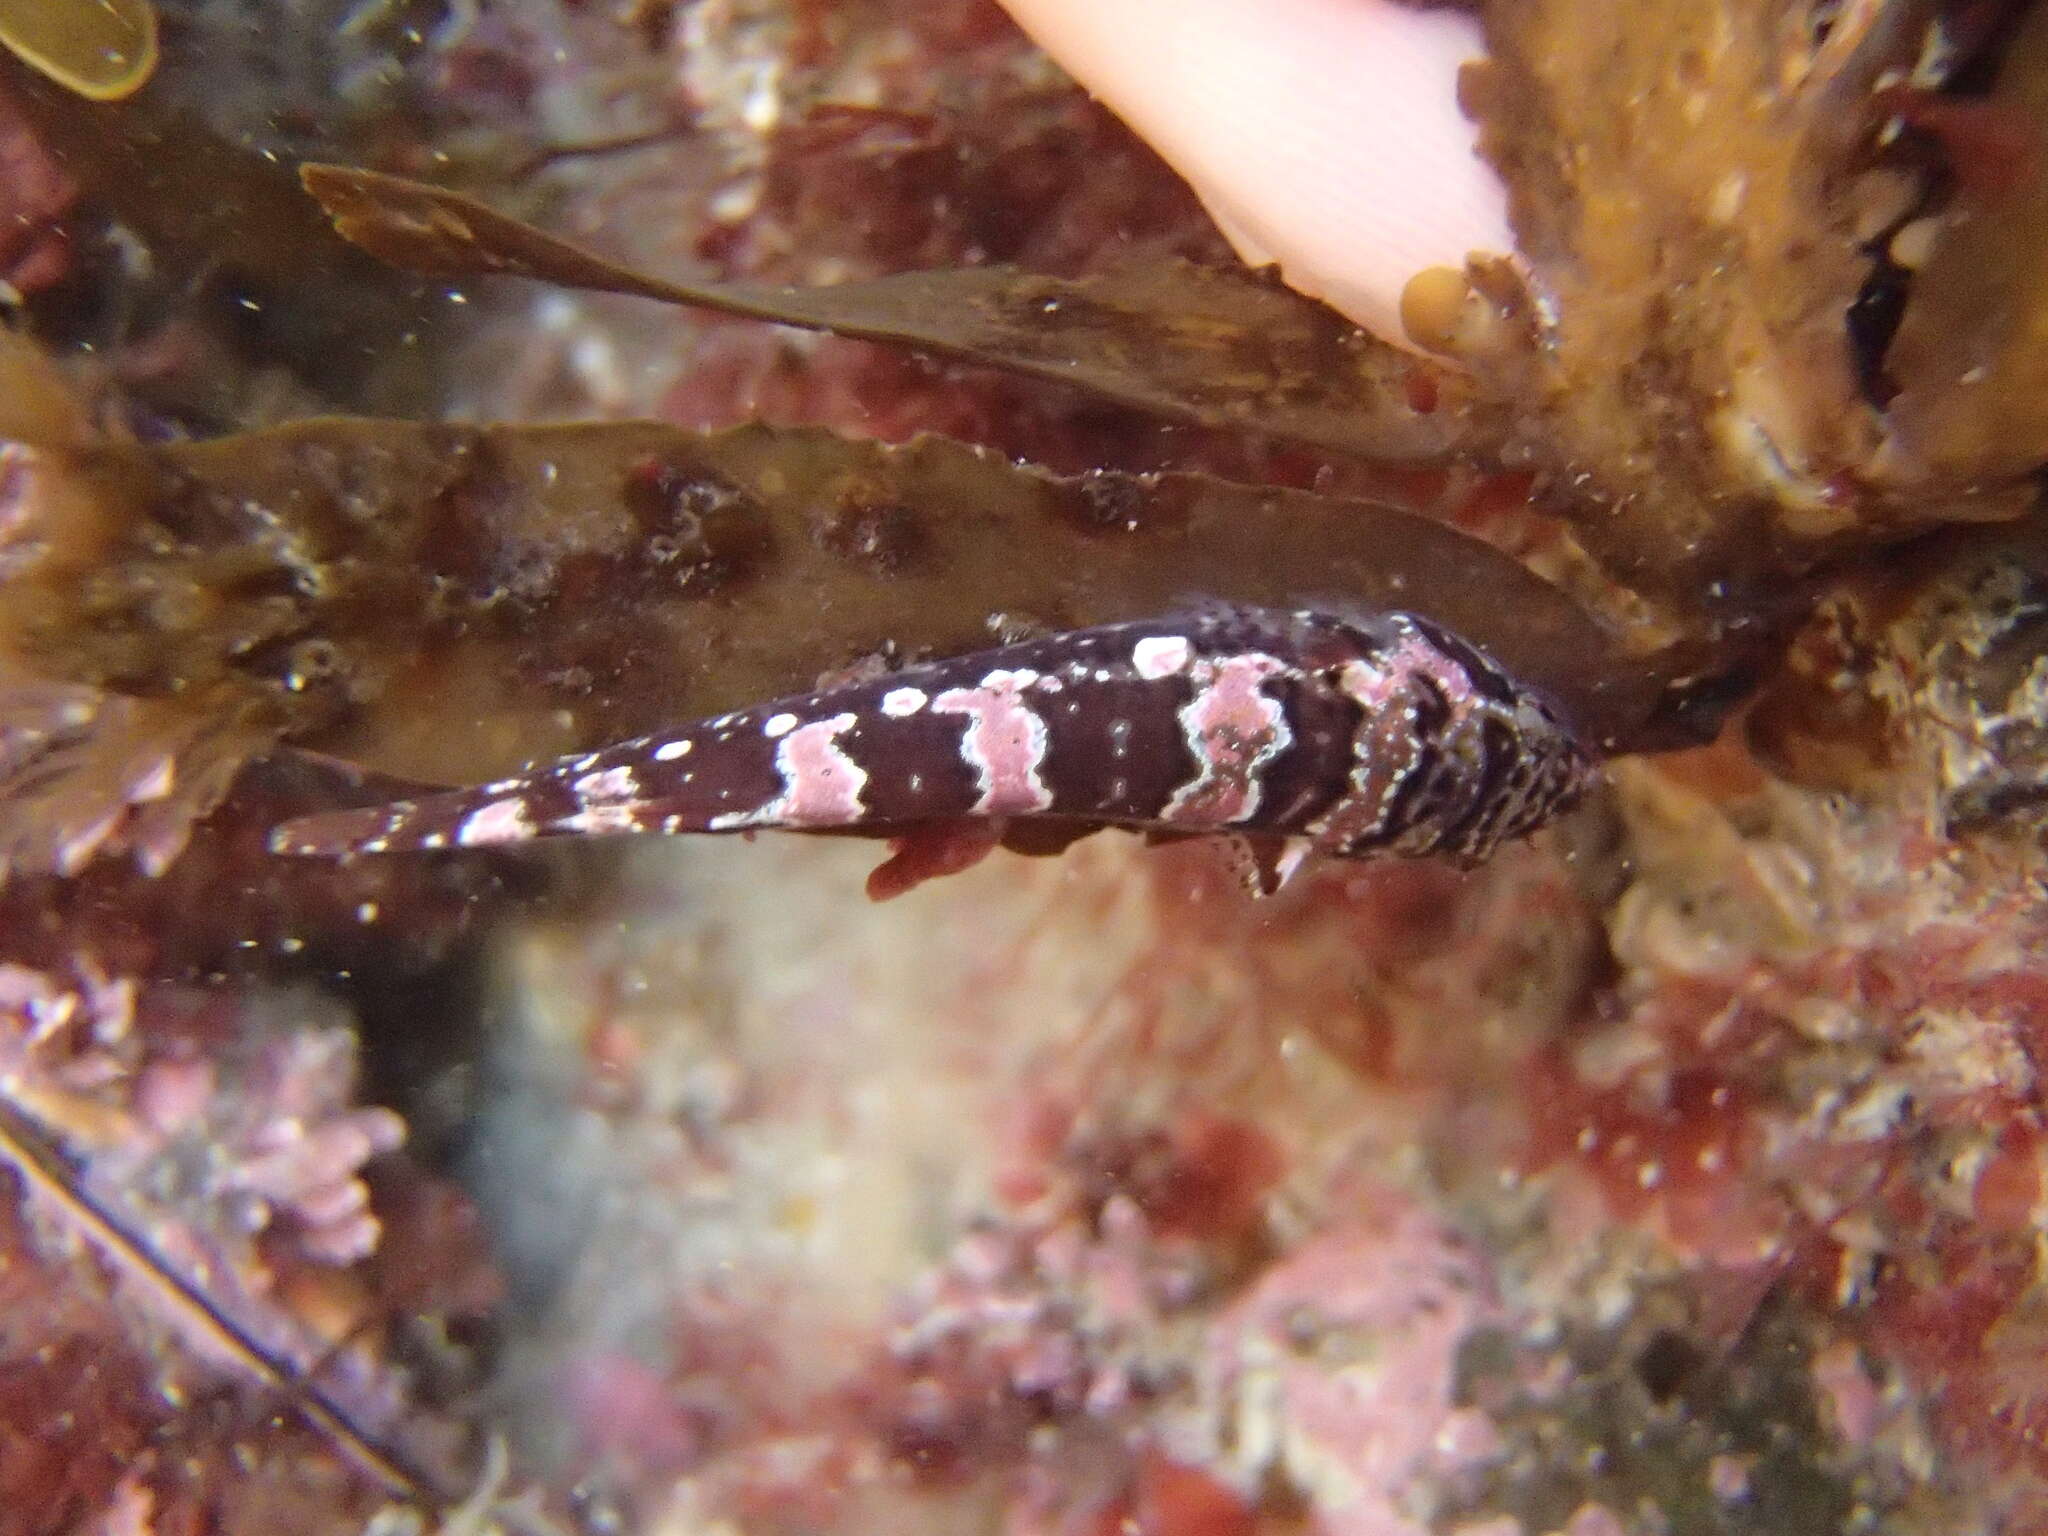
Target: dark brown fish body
pixel 1343 737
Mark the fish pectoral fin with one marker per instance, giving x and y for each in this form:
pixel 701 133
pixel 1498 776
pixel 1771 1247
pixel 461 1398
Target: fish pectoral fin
pixel 1266 864
pixel 931 851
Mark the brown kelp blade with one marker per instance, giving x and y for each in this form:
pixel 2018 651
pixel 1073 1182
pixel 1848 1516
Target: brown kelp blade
pixel 1222 347
pixel 447 603
pixel 502 593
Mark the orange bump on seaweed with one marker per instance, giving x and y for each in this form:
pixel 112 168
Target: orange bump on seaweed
pixel 101 49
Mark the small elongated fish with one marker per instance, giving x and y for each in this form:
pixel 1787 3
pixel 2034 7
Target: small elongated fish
pixel 1295 733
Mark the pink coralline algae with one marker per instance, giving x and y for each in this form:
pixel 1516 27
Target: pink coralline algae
pixel 1331 1372
pixel 1819 1071
pixel 189 1170
pixel 1073 1303
pixel 250 1132
pixel 1340 1366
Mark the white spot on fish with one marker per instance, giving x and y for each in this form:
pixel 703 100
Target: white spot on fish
pixel 1291 856
pixel 1158 656
pixel 775 727
pixel 900 703
pixel 669 751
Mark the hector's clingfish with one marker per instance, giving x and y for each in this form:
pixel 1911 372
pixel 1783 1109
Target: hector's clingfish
pixel 1296 733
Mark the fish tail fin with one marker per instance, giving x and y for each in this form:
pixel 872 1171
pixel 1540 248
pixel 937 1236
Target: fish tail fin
pixel 493 816
pixel 572 798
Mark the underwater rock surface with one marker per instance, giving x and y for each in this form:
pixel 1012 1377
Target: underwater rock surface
pixel 1680 1170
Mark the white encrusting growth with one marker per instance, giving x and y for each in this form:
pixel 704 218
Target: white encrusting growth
pixel 153 783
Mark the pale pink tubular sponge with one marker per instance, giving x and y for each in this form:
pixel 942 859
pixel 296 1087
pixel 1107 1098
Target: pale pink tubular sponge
pixel 1323 135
